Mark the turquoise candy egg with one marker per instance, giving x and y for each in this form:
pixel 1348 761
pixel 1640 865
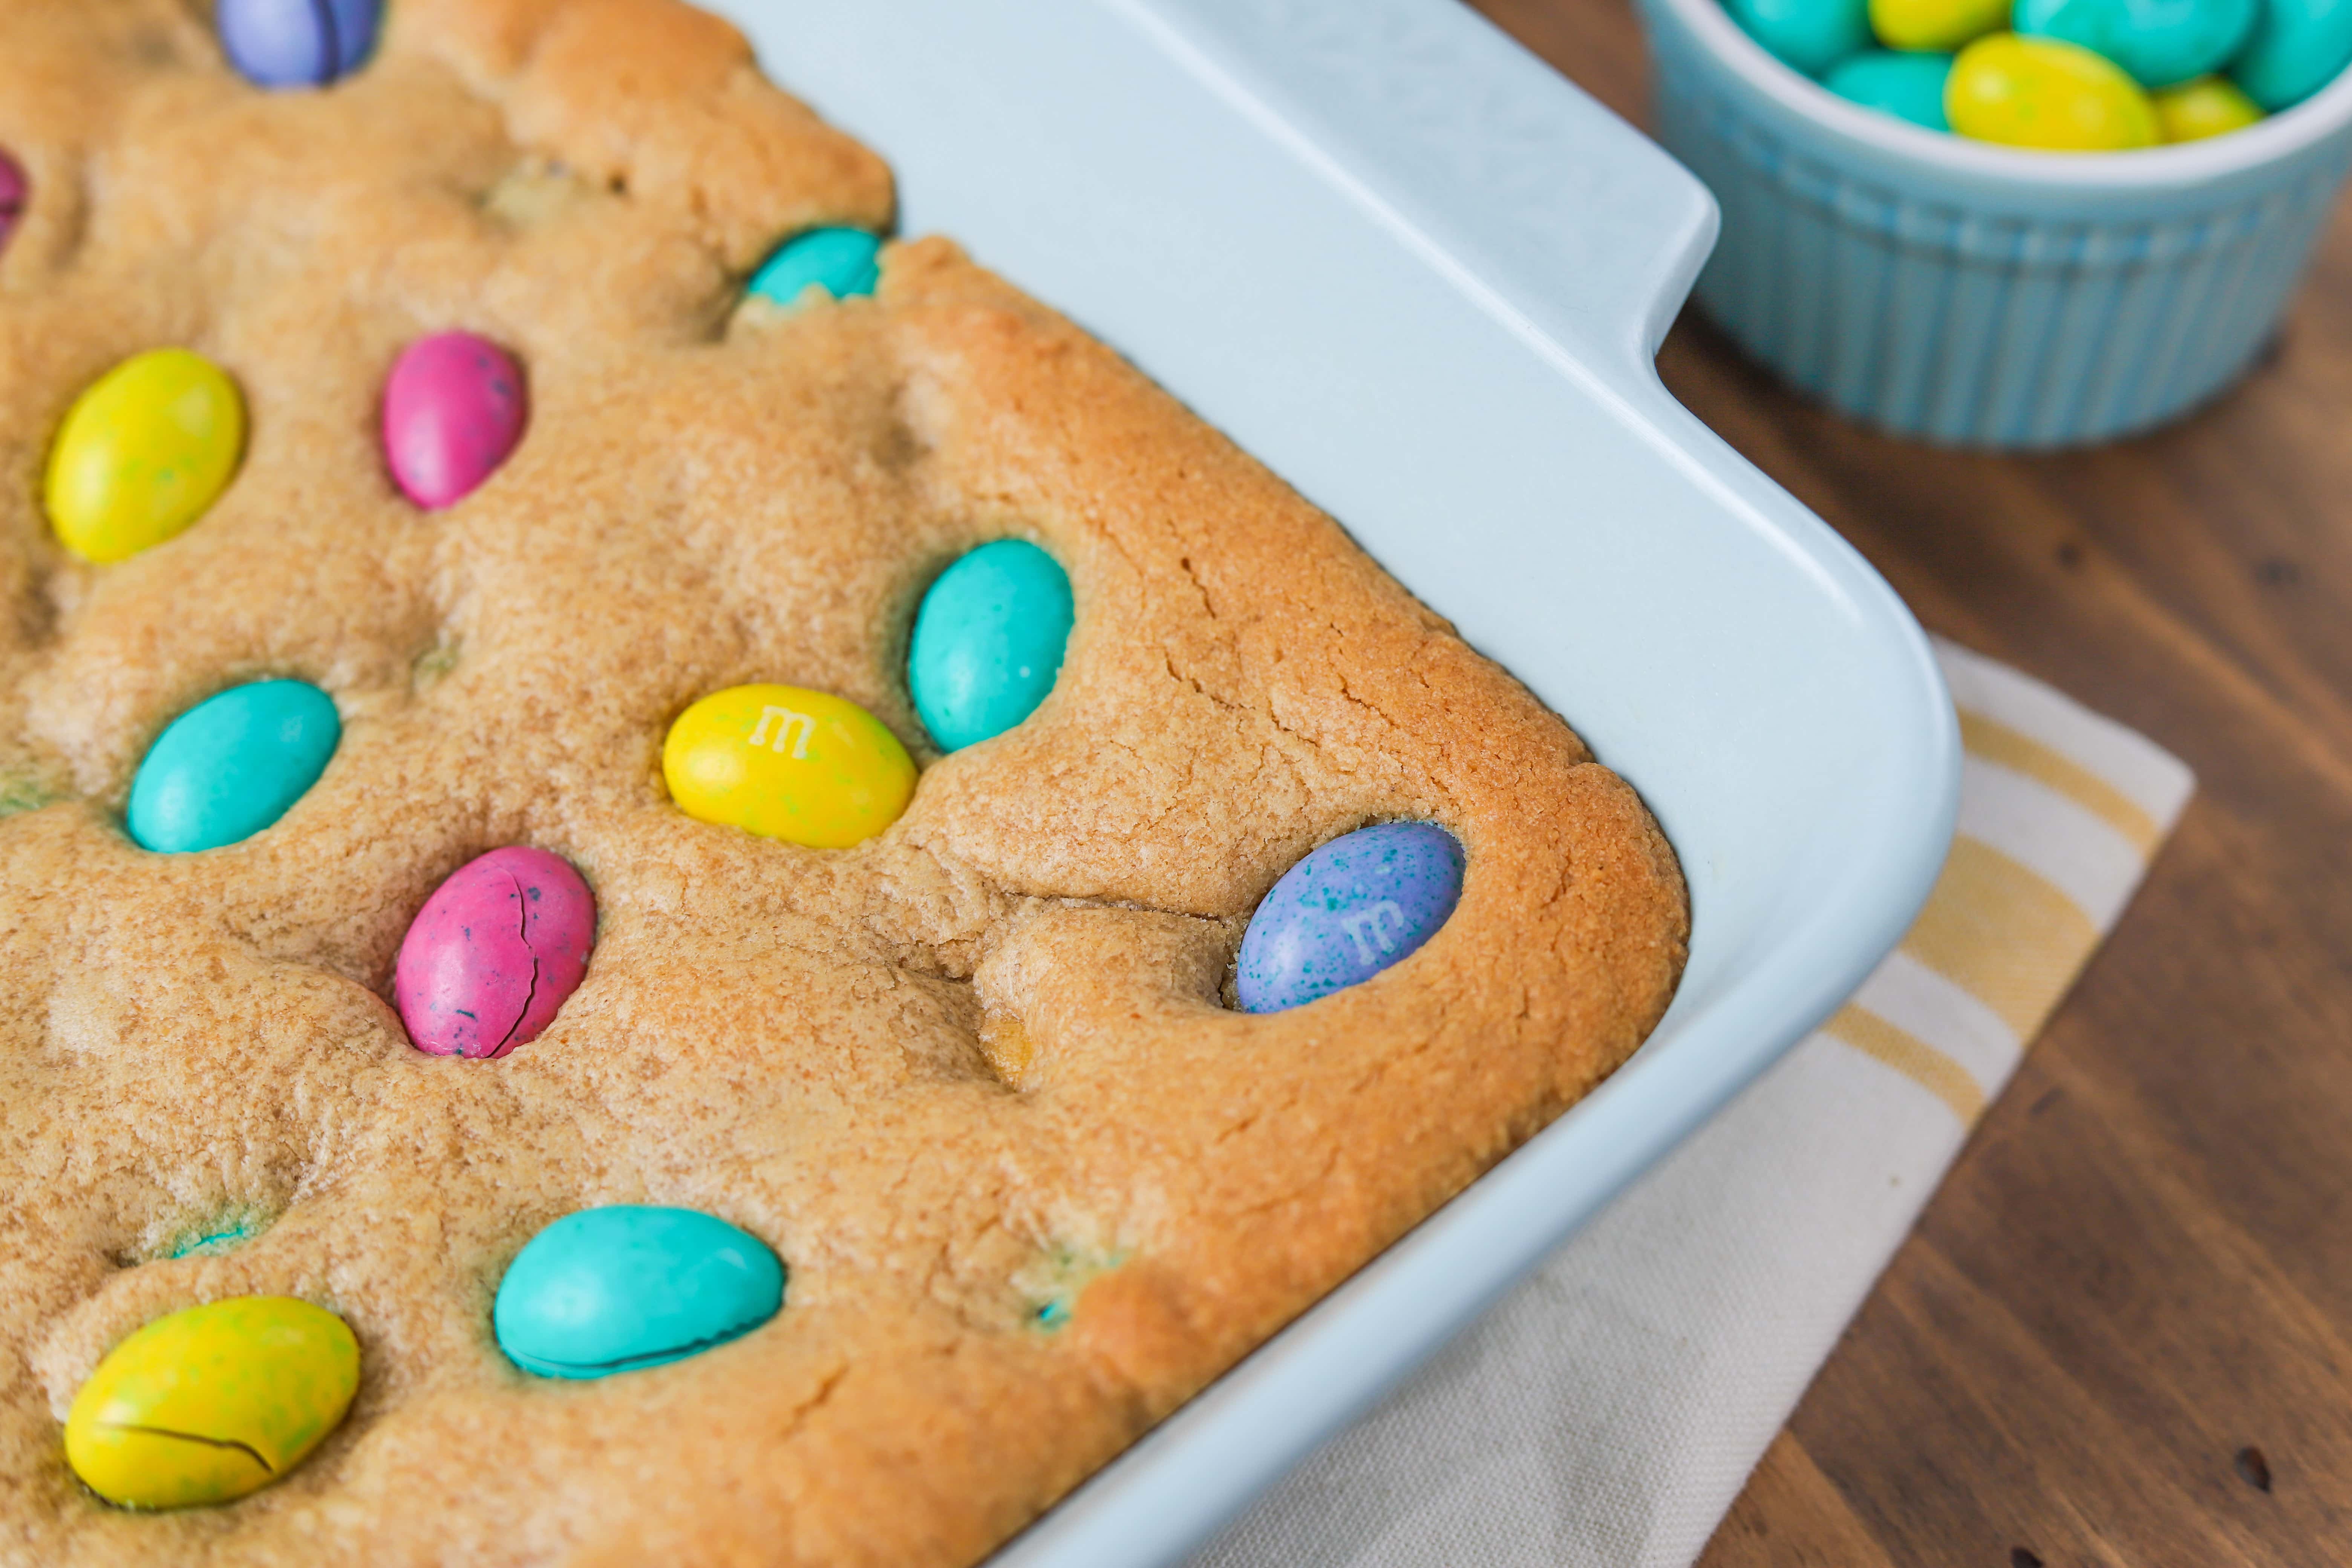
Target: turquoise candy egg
pixel 1809 36
pixel 988 642
pixel 2298 46
pixel 2160 42
pixel 840 261
pixel 232 765
pixel 624 1287
pixel 1904 85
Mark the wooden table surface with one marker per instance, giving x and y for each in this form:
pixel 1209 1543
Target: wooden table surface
pixel 2122 1334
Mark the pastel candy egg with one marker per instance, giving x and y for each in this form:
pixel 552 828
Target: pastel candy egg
pixel 2160 43
pixel 454 409
pixel 142 453
pixel 786 762
pixel 494 953
pixel 1941 25
pixel 1906 86
pixel 2298 46
pixel 15 191
pixel 618 1288
pixel 2050 96
pixel 211 1403
pixel 1809 35
pixel 837 262
pixel 988 642
pixel 296 43
pixel 2209 106
pixel 232 765
pixel 1357 905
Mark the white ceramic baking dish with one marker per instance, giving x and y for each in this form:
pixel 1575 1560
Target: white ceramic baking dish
pixel 1425 278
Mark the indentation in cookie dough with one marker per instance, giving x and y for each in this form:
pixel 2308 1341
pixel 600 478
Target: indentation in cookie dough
pixel 21 792
pixel 219 1232
pixel 426 670
pixel 1008 1047
pixel 535 193
pixel 1050 1286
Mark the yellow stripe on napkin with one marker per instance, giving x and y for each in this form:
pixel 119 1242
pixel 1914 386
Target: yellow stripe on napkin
pixel 2061 811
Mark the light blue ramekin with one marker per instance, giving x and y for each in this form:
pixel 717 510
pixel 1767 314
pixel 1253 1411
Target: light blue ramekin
pixel 1979 295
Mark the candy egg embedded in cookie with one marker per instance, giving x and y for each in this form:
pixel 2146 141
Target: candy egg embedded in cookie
pixel 453 410
pixel 15 190
pixel 1359 904
pixel 494 953
pixel 232 765
pixel 211 1403
pixel 787 762
pixel 296 43
pixel 143 452
pixel 822 264
pixel 988 642
pixel 631 1286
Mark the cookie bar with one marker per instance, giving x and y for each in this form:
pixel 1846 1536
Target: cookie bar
pixel 1037 1133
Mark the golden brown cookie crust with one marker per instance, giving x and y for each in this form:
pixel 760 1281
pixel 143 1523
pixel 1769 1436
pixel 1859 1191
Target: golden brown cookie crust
pixel 974 1066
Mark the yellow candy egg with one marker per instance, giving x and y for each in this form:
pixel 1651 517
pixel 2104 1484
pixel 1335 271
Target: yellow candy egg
pixel 2050 96
pixel 211 1403
pixel 143 452
pixel 1939 24
pixel 2209 106
pixel 786 762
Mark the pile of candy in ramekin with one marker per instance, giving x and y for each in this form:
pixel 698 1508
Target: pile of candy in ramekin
pixel 2063 75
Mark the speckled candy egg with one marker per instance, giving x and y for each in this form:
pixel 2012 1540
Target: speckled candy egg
pixel 1357 905
pixel 822 264
pixel 1808 35
pixel 988 642
pixel 2209 106
pixel 494 953
pixel 2048 95
pixel 296 43
pixel 2162 43
pixel 1906 86
pixel 618 1288
pixel 15 190
pixel 454 411
pixel 1935 25
pixel 232 765
pixel 2298 46
pixel 143 452
pixel 211 1403
pixel 787 762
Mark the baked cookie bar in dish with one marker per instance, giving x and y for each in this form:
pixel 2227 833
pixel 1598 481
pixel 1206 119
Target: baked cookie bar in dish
pixel 678 886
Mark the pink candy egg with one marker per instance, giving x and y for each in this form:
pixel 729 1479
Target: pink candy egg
pixel 453 411
pixel 14 193
pixel 494 953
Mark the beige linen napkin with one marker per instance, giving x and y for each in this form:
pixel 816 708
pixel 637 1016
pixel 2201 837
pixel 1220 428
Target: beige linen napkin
pixel 1608 1411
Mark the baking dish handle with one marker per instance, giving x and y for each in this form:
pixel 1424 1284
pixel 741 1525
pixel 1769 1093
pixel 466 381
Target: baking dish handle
pixel 1566 217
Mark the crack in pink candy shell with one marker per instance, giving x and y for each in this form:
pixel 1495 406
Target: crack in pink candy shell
pixel 494 953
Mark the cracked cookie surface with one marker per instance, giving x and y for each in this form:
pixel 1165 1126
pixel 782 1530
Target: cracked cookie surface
pixel 974 1080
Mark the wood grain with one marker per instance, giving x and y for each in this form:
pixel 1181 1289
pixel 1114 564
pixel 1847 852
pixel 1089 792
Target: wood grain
pixel 2142 1264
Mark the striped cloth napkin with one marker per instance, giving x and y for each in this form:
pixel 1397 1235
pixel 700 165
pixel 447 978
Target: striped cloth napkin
pixel 1608 1411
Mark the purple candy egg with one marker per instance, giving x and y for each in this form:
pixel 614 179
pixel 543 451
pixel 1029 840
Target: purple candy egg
pixel 1349 910
pixel 494 953
pixel 453 410
pixel 296 43
pixel 15 191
